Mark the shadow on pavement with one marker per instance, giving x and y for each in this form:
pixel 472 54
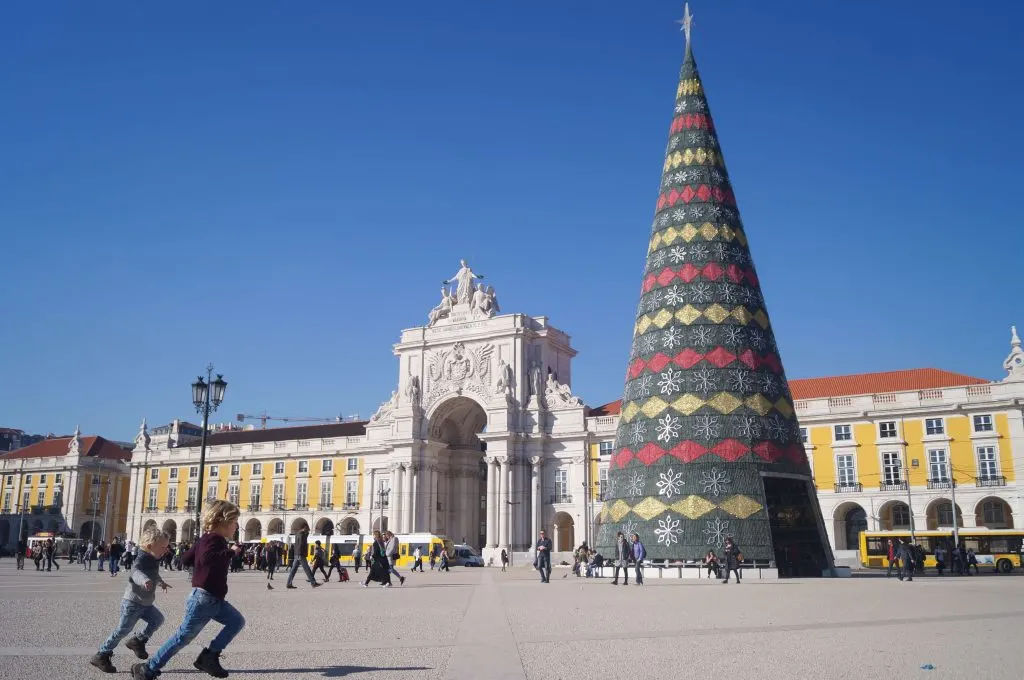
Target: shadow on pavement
pixel 332 671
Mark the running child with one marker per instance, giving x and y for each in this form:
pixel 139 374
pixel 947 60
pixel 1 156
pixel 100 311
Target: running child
pixel 138 602
pixel 209 559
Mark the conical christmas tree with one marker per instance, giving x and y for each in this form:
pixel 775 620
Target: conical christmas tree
pixel 708 444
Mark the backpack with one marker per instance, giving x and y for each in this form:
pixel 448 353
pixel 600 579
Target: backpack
pixel 344 574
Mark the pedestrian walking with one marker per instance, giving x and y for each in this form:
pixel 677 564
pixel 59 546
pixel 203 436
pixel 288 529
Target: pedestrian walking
pixel 622 555
pixel 940 558
pixel 905 555
pixel 442 563
pixel 116 551
pixel 379 567
pixel 733 558
pixel 972 561
pixel 504 559
pixel 301 548
pixel 417 559
pixel 639 555
pixel 542 561
pixel 391 548
pixel 272 555
pixel 138 602
pixel 318 561
pixel 210 559
pixel 20 559
pixel 335 565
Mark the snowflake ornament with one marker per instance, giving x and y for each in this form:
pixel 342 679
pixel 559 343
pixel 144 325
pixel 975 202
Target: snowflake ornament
pixel 629 527
pixel 668 530
pixel 716 482
pixel 777 429
pixel 705 380
pixel 748 428
pixel 638 432
pixel 668 427
pixel 642 386
pixel 734 335
pixel 699 252
pixel 716 530
pixel 635 485
pixel 706 426
pixel 703 336
pixel 677 254
pixel 671 381
pixel 672 338
pixel 670 483
pixel 675 296
pixel 702 293
pixel 740 380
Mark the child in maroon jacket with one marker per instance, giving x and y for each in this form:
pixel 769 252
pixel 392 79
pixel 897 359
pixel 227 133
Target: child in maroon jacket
pixel 210 559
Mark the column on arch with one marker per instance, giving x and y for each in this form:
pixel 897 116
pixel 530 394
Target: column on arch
pixel 412 481
pixel 503 469
pixel 398 495
pixel 537 469
pixel 492 502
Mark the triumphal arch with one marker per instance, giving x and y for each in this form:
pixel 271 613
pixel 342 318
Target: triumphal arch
pixel 482 418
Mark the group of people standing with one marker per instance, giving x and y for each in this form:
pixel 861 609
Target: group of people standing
pixel 907 559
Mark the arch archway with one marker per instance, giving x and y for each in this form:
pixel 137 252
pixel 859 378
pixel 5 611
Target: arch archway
pixel 275 526
pixel 322 525
pixel 563 535
pixel 993 512
pixel 850 519
pixel 150 524
pixel 171 527
pixel 380 524
pixel 253 530
pixel 456 451
pixel 188 530
pixel 348 526
pixel 940 514
pixel 298 524
pixel 90 531
pixel 894 515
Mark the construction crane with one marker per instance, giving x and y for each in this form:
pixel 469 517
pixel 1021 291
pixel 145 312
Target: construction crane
pixel 263 418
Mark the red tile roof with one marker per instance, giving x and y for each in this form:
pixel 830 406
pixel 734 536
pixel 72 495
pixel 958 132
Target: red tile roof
pixel 877 383
pixel 851 385
pixel 92 447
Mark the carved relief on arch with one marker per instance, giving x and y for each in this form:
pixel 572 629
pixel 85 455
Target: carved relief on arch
pixel 457 370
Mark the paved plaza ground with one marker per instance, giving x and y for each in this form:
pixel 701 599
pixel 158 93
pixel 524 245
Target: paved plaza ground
pixel 482 624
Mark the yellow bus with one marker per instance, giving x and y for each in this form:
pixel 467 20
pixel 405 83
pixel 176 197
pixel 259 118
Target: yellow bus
pixel 345 546
pixel 997 549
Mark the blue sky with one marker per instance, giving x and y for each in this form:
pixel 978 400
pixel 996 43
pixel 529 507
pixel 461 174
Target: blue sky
pixel 278 188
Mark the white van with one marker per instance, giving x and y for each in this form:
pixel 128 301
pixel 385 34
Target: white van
pixel 466 556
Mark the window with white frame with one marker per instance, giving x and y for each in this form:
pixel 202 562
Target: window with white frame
pixel 211 492
pixel 172 497
pixel 236 469
pixel 900 515
pixel 42 479
pixel 803 435
pixel 843 433
pixel 303 466
pixel 993 512
pixel 892 467
pixel 28 480
pixel 846 470
pixel 887 429
pixel 351 492
pixel 191 495
pixel 983 423
pixel 605 448
pixel 602 483
pixel 154 474
pixel 193 472
pixel 151 504
pixel 279 468
pixel 561 484
pixel 255 492
pixel 326 492
pixel 278 494
pixel 934 426
pixel 352 465
pixel 257 469
pixel 988 466
pixel 174 473
pixel 40 496
pixel 58 478
pixel 214 470
pixel 9 481
pixel 7 502
pixel 301 494
pixel 938 466
pixel 233 493
pixel 327 465
pixel 25 498
pixel 944 514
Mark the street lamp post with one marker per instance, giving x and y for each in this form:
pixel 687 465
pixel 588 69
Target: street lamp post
pixel 382 504
pixel 207 396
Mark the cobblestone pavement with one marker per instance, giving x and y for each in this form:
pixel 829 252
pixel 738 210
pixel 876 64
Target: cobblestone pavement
pixel 483 624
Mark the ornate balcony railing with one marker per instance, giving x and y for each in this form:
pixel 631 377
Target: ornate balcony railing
pixel 278 507
pixel 990 480
pixel 254 507
pixel 170 508
pixel 325 506
pixel 940 484
pixel 561 498
pixel 892 486
pixel 300 507
pixel 849 487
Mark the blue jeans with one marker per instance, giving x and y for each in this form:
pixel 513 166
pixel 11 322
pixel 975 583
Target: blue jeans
pixel 200 608
pixel 131 612
pixel 296 563
pixel 114 566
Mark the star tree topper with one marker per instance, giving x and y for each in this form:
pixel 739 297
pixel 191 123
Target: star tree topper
pixel 686 22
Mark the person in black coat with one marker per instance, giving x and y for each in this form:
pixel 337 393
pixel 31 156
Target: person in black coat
pixel 732 560
pixel 380 567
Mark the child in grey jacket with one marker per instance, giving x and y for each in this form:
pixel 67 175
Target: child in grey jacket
pixel 138 601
